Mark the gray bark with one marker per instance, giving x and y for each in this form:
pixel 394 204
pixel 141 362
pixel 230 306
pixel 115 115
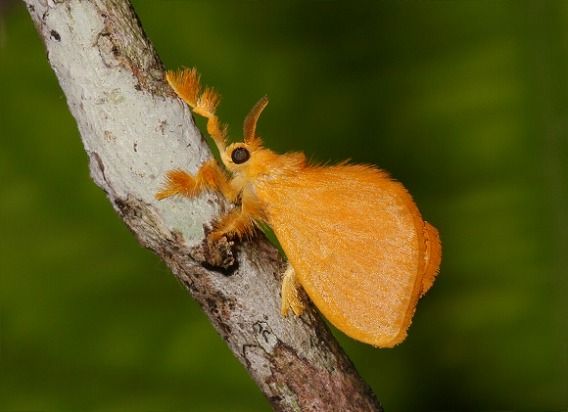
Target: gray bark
pixel 134 129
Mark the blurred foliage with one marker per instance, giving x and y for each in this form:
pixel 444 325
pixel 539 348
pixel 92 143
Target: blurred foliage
pixel 464 102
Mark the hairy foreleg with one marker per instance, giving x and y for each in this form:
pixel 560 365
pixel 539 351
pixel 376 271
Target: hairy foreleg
pixel 239 222
pixel 187 85
pixel 208 177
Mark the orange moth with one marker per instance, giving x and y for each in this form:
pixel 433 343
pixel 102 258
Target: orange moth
pixel 354 238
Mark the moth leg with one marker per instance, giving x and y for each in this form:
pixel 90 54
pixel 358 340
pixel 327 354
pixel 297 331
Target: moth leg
pixel 209 176
pixel 290 297
pixel 187 85
pixel 239 222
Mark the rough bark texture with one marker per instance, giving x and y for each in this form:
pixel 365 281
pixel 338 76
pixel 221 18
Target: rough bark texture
pixel 134 129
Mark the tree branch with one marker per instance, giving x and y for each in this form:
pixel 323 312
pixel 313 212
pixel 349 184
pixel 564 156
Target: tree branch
pixel 134 129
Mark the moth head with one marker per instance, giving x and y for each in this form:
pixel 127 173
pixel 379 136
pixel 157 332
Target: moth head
pixel 237 156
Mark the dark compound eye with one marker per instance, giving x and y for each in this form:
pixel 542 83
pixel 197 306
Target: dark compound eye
pixel 240 155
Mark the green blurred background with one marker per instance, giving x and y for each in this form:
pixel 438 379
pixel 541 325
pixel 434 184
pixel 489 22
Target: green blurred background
pixel 464 102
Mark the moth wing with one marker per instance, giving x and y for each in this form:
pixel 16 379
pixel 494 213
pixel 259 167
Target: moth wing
pixel 356 241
